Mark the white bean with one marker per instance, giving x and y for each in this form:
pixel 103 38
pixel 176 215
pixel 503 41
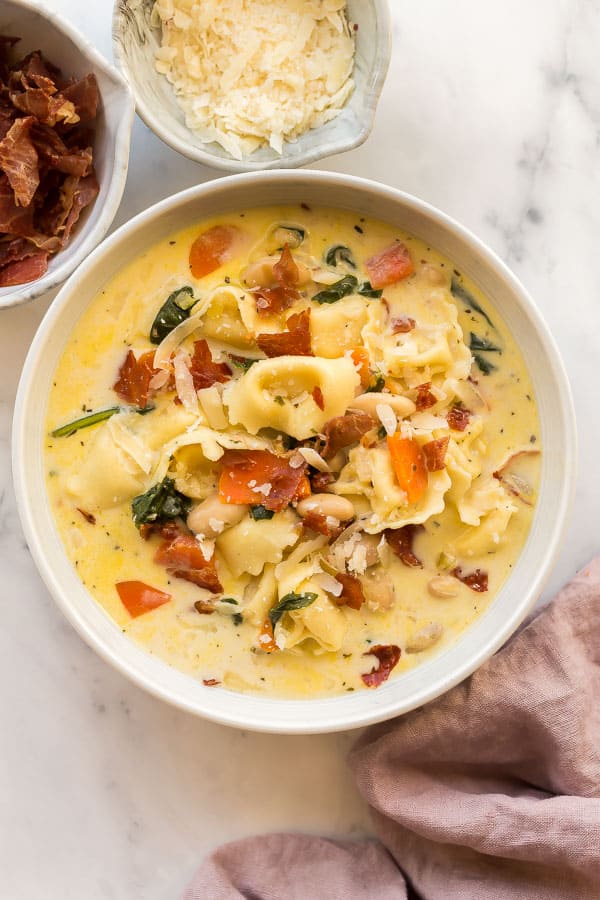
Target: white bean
pixel 369 402
pixel 211 517
pixel 326 505
pixel 425 638
pixel 443 586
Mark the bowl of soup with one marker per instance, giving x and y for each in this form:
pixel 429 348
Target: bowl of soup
pixel 294 451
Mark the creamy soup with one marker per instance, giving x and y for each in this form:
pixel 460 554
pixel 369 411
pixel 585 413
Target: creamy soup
pixel 292 451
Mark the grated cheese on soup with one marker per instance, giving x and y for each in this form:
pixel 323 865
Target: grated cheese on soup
pixel 248 73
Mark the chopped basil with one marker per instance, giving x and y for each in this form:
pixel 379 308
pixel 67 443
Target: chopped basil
pixel 376 386
pixel 162 501
pixel 143 411
pixel 340 254
pixel 228 600
pixel 175 310
pixel 343 287
pixel 461 293
pixel 367 291
pixel 261 512
pixel 242 362
pixel 484 365
pixel 479 343
pixel 85 422
pixel 290 602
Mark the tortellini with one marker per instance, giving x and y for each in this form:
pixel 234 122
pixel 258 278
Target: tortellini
pixel 108 475
pixel 248 546
pixel 336 328
pixel 278 393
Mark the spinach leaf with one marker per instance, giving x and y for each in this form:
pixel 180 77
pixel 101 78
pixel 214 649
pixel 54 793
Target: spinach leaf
pixel 175 309
pixel 290 602
pixel 484 365
pixel 479 343
pixel 85 422
pixel 461 293
pixel 292 235
pixel 162 501
pixel 340 254
pixel 367 291
pixel 228 600
pixel 261 512
pixel 237 618
pixel 242 362
pixel 376 386
pixel 343 287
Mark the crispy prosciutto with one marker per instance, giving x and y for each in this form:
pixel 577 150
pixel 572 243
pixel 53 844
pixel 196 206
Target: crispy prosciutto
pixel 293 342
pixel 183 558
pixel 400 540
pixel 275 298
pixel 46 160
pixel 424 398
pixel 204 370
pixel 259 477
pixel 435 454
pixel 458 417
pixel 476 580
pixel 388 656
pixel 402 324
pixel 346 430
pixel 133 383
pixel 317 395
pixel 352 593
pixel 391 265
pixel 314 521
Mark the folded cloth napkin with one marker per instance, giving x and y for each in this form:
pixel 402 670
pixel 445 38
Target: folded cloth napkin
pixel 491 791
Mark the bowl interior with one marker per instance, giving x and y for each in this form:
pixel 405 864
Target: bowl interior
pixel 39 30
pixel 136 42
pixel 558 435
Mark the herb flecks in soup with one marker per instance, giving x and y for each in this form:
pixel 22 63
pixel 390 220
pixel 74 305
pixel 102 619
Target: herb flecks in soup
pixel 292 451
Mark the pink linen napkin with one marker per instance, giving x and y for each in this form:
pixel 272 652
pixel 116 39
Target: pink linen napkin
pixel 491 792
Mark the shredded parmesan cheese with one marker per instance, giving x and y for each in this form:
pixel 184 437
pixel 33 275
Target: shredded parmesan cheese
pixel 247 73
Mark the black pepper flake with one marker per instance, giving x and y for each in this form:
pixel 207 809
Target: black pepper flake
pixel 172 243
pixel 532 439
pixel 305 206
pixel 359 229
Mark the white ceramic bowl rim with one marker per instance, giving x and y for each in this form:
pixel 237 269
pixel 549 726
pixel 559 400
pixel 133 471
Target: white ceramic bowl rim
pixel 321 149
pixel 60 268
pixel 398 695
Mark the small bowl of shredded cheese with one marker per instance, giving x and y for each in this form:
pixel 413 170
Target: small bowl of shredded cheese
pixel 244 85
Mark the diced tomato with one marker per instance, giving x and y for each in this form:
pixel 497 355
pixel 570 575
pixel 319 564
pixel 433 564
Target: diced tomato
pixel 244 471
pixel 133 383
pixel 211 249
pixel 391 265
pixel 435 454
pixel 408 461
pixel 139 598
pixel 388 656
pixel 205 371
pixel 183 558
pixel 266 639
pixel 293 342
pixel 360 358
pixel 352 593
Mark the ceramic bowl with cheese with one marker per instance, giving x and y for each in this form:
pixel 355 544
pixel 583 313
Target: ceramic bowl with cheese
pixel 293 82
pixel 293 462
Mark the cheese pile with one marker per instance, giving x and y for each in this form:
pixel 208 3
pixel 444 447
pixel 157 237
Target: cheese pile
pixel 252 72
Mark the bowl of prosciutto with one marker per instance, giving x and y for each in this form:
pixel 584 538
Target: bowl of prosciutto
pixel 65 123
pixel 294 451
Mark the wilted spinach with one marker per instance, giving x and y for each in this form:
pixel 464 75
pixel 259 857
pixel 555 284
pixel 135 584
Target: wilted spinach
pixel 175 310
pixel 343 287
pixel 340 254
pixel 161 502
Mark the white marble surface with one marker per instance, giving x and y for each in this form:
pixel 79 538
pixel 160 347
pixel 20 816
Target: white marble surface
pixel 491 111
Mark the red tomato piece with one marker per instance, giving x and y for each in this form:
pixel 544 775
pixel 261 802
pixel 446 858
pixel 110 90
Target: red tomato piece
pixel 211 249
pixel 409 465
pixel 139 598
pixel 133 384
pixel 243 471
pixel 391 265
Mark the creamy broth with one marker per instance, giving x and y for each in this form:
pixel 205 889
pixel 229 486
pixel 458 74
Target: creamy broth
pixel 433 342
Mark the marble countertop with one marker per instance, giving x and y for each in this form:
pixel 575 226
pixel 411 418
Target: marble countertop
pixel 491 112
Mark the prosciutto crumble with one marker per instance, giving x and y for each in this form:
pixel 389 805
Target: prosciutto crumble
pixel 47 176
